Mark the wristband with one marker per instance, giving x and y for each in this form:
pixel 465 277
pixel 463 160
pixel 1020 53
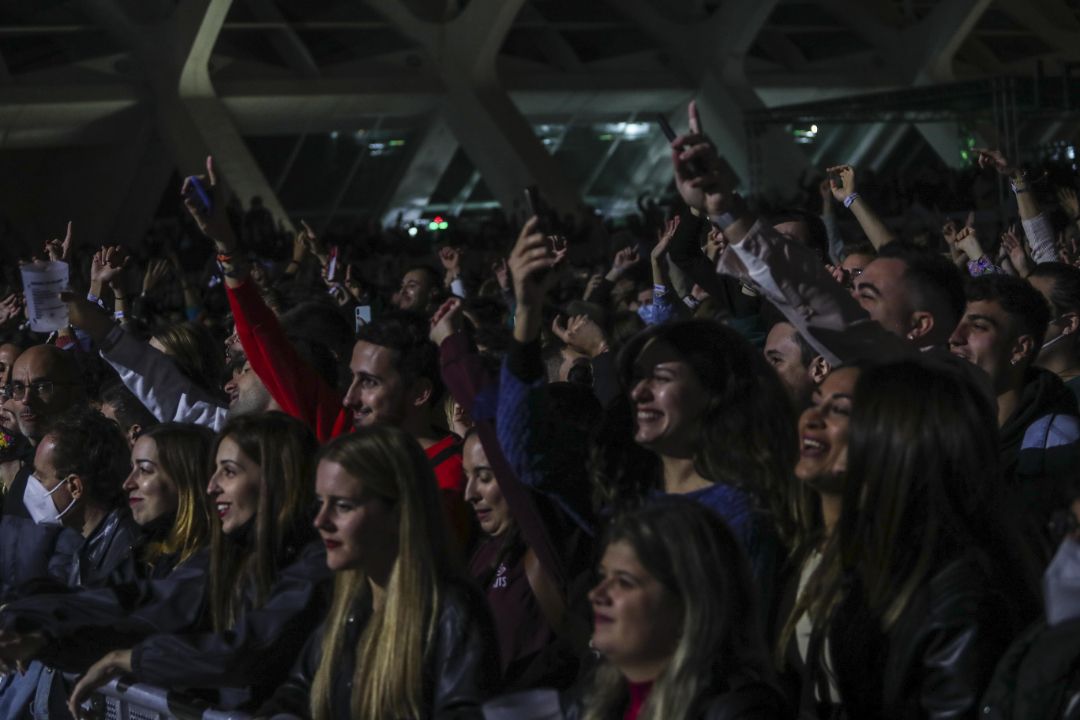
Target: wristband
pixel 850 199
pixel 95 299
pixel 1017 189
pixel 118 315
pixel 727 219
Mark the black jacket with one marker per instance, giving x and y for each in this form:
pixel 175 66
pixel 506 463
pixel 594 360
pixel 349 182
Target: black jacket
pixel 742 699
pixel 258 651
pixel 937 659
pixel 1039 677
pixel 460 672
pixel 83 625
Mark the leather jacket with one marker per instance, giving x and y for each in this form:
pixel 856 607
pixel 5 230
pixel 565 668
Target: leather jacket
pixel 256 653
pixel 460 672
pixel 938 658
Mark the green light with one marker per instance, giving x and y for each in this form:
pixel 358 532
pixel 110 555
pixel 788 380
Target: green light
pixel 443 225
pixel 606 136
pixel 964 155
pixel 397 143
pixel 433 226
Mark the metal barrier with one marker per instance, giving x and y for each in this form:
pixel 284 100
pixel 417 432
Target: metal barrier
pixel 121 700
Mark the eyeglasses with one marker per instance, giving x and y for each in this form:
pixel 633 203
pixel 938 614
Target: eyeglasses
pixel 42 388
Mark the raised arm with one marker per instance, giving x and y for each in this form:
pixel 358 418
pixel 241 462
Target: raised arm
pixel 1037 226
pixel 290 380
pixel 787 273
pixel 149 374
pixel 842 185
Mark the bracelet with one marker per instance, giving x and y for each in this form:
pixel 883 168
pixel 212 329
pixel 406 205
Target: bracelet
pixel 119 298
pixel 118 315
pixel 729 218
pixel 850 199
pixel 1017 189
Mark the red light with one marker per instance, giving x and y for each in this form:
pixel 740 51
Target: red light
pixel 438 218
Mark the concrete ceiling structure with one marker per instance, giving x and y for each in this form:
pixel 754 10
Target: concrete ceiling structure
pixel 388 108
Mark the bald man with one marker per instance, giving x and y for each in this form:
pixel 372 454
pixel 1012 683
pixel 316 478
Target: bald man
pixel 9 352
pixel 44 384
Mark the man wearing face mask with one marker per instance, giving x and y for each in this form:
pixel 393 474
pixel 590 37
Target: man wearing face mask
pixel 79 468
pixel 75 490
pixel 1039 676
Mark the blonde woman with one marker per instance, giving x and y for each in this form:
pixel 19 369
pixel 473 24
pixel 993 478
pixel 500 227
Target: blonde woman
pixel 406 637
pixel 676 622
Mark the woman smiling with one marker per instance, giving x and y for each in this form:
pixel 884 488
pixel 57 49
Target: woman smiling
pixel 676 623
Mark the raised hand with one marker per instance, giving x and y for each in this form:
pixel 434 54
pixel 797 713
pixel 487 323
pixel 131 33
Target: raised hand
pixel 312 242
pixel 1069 203
pixel 698 170
pixel 502 273
pixel 446 321
pixel 968 242
pixel 204 200
pixel 995 159
pixel 1014 246
pixel 663 239
pixel 530 261
pixel 846 187
pixel 59 250
pixel 825 190
pixel 156 271
pixel 11 308
pixel 715 243
pixel 581 334
pixel 591 285
pixel 948 231
pixel 624 260
pixel 108 263
pixel 450 257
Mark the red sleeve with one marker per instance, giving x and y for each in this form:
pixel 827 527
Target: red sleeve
pixel 445 456
pixel 293 384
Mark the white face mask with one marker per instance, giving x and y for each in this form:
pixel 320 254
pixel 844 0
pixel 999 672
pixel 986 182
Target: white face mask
pixel 39 502
pixel 1061 583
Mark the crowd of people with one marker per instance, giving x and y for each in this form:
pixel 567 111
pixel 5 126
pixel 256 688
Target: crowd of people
pixel 754 466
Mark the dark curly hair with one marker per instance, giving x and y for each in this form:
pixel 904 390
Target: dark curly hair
pixel 748 433
pixel 90 445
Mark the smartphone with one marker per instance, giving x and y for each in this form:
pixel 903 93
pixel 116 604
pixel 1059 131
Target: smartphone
pixel 196 189
pixel 836 180
pixel 363 316
pixel 669 132
pixel 535 205
pixel 693 166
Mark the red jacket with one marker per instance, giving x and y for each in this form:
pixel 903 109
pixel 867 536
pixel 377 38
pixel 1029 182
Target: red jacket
pixel 302 393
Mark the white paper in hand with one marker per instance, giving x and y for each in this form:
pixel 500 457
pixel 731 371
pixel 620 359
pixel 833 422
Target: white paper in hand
pixel 42 284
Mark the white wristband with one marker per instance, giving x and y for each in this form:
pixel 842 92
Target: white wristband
pixel 850 199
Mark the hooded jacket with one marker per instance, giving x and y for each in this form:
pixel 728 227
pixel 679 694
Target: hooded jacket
pixel 1040 452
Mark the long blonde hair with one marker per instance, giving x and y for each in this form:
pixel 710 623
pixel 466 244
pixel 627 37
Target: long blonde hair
pixel 388 680
pixel 694 556
pixel 184 456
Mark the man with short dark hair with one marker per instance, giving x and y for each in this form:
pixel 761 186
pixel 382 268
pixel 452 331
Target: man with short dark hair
pixel 79 471
pixel 396 381
pixel 798 365
pixel 913 293
pixel 1001 332
pixel 421 290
